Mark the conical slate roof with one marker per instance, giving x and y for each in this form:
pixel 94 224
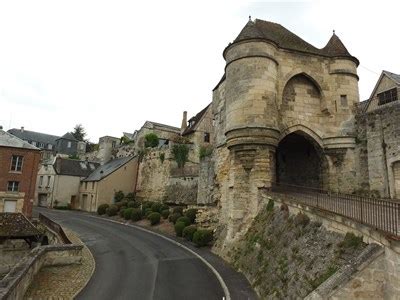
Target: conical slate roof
pixel 283 38
pixel 335 47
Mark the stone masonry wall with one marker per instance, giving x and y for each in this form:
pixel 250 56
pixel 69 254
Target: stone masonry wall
pixel 382 127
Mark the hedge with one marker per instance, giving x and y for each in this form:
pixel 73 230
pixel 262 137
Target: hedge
pixel 178 210
pixel 154 218
pixel 112 210
pixel 191 214
pixel 188 232
pixel 156 207
pixel 136 214
pixel 179 226
pixel 185 220
pixel 202 237
pixel 165 213
pixel 173 217
pixel 101 209
pixel 128 213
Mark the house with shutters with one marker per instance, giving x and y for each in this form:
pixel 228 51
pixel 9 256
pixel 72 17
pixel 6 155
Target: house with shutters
pixel 19 163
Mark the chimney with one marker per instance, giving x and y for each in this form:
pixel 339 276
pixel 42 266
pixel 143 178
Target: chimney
pixel 22 128
pixel 184 122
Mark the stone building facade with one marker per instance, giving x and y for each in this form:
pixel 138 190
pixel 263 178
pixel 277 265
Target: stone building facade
pixel 378 132
pixel 284 113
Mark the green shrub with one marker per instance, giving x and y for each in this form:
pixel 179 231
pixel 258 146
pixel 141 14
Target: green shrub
pixel 191 214
pixel 165 213
pixel 173 217
pixel 178 209
pixel 136 214
pixel 101 209
pixel 180 153
pixel 156 207
pixel 121 211
pixel 188 232
pixel 179 226
pixel 164 207
pixel 151 140
pixel 131 204
pixel 205 151
pixel 112 210
pixel 121 203
pixel 185 220
pixel 147 212
pixel 130 197
pixel 162 157
pixel 154 218
pixel 270 205
pixel 202 237
pixel 301 219
pixel 147 204
pixel 351 241
pixel 118 196
pixel 128 213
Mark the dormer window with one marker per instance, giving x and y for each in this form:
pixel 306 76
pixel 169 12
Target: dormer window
pixel 387 96
pixel 191 123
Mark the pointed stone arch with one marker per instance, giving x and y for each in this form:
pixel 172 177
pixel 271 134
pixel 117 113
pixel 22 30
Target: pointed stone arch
pixel 299 75
pixel 300 159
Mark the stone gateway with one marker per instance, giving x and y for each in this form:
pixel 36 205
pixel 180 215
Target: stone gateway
pixel 284 113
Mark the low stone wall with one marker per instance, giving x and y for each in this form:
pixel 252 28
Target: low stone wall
pixel 17 281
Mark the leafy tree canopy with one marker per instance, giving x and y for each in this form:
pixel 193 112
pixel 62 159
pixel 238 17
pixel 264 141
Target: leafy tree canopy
pixel 79 132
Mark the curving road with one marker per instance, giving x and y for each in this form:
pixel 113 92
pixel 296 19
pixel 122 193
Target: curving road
pixel 134 264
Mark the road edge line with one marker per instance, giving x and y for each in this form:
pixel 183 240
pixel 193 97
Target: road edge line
pixel 219 277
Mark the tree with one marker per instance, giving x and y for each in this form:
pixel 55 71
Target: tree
pixel 79 132
pixel 151 140
pixel 181 154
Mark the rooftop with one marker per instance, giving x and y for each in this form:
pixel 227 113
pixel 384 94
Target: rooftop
pixel 194 121
pixel 285 39
pixel 108 168
pixel 34 136
pixel 10 140
pixel 73 167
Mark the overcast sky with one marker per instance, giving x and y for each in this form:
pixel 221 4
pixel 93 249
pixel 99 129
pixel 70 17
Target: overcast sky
pixel 112 65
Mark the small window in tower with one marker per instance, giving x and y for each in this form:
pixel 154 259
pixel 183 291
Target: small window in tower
pixel 206 137
pixel 343 100
pixel 69 145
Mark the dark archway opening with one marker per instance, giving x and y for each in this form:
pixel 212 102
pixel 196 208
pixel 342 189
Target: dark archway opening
pixel 299 161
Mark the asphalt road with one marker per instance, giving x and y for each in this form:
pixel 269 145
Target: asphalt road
pixel 133 264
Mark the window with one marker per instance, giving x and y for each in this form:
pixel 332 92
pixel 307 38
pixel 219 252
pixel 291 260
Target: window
pixel 387 96
pixel 343 100
pixel 41 181
pixel 113 144
pixel 16 163
pixel 13 186
pixel 69 145
pixel 49 146
pixel 86 185
pixel 48 180
pixel 93 185
pixel 33 143
pixel 206 137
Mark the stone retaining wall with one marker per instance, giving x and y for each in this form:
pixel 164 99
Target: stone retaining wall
pixel 391 257
pixel 17 281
